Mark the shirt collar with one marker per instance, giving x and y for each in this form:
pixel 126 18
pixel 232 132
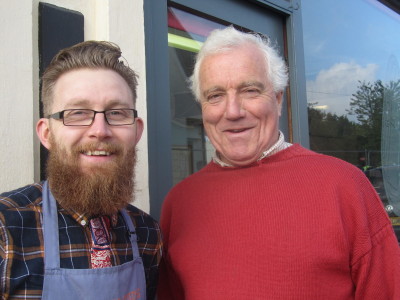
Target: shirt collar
pixel 278 146
pixel 84 219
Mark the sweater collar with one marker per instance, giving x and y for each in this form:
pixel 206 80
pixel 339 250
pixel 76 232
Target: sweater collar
pixel 275 148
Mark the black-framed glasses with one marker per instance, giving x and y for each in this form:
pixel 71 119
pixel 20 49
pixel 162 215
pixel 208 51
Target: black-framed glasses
pixel 85 117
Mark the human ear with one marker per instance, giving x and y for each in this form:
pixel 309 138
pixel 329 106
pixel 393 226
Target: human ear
pixel 43 132
pixel 279 99
pixel 139 129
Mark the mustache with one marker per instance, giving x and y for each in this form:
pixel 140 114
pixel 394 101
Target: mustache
pixel 108 147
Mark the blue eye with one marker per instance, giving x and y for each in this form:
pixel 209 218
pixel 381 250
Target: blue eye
pixel 119 114
pixel 251 92
pixel 115 113
pixel 213 98
pixel 78 112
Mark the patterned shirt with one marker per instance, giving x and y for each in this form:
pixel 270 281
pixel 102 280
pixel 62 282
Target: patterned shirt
pixel 22 248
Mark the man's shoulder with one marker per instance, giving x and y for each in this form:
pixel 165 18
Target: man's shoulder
pixel 147 229
pixel 320 159
pixel 22 197
pixel 141 218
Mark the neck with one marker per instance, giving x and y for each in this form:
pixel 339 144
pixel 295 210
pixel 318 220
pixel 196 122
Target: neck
pixel 279 145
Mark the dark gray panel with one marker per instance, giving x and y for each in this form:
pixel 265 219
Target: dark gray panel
pixel 158 107
pixel 58 28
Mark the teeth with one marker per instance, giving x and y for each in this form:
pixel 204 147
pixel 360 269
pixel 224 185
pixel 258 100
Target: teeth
pixel 98 153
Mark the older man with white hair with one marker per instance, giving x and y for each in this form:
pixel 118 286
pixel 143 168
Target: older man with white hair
pixel 267 219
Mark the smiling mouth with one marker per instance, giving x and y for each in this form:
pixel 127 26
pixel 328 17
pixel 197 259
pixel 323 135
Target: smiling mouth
pixel 237 130
pixel 97 153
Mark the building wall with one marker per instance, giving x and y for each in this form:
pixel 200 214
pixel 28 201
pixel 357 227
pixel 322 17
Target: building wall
pixel 18 93
pixel 118 21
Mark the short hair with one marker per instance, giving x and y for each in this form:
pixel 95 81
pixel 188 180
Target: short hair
pixel 88 54
pixel 229 38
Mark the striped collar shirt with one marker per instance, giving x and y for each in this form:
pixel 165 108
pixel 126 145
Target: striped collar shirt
pixel 278 146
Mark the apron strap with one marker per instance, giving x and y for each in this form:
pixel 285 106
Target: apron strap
pixel 132 233
pixel 50 229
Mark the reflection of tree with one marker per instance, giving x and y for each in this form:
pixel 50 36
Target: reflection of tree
pixel 332 134
pixel 353 140
pixel 366 104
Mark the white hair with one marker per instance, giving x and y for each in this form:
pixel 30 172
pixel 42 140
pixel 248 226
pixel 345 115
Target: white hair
pixel 227 39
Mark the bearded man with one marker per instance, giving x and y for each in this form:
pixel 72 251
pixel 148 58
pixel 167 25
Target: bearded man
pixel 75 235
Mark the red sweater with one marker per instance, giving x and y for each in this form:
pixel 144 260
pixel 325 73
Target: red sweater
pixel 296 225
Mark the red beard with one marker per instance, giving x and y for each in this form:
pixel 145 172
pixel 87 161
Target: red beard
pixel 105 190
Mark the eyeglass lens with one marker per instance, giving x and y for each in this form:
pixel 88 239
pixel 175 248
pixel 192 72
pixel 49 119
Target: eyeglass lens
pixel 86 116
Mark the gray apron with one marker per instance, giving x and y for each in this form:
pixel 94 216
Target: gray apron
pixel 126 281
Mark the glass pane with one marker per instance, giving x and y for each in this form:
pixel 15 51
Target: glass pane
pixel 190 148
pixel 352 51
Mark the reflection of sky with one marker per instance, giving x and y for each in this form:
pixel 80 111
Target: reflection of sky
pixel 346 42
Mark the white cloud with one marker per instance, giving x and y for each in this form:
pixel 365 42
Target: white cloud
pixel 332 88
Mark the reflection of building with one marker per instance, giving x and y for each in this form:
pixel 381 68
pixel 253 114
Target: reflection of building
pixel 188 140
pixel 160 39
pixel 393 4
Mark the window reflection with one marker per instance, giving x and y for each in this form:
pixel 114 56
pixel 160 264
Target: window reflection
pixel 353 88
pixel 190 147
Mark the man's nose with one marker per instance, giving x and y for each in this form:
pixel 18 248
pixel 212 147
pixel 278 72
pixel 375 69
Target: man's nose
pixel 100 128
pixel 234 107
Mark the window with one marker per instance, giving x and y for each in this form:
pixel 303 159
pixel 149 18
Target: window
pixel 190 148
pixel 352 54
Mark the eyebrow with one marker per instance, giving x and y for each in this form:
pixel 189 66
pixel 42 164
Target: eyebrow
pixel 212 90
pixel 78 103
pixel 242 85
pixel 86 103
pixel 246 84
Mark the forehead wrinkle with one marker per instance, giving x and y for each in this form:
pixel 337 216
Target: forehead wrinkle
pixel 116 102
pixel 78 103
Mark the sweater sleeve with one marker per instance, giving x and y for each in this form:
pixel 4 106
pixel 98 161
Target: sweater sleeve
pixel 377 273
pixel 375 263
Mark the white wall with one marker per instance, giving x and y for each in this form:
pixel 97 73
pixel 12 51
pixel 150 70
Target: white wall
pixel 119 21
pixel 18 93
